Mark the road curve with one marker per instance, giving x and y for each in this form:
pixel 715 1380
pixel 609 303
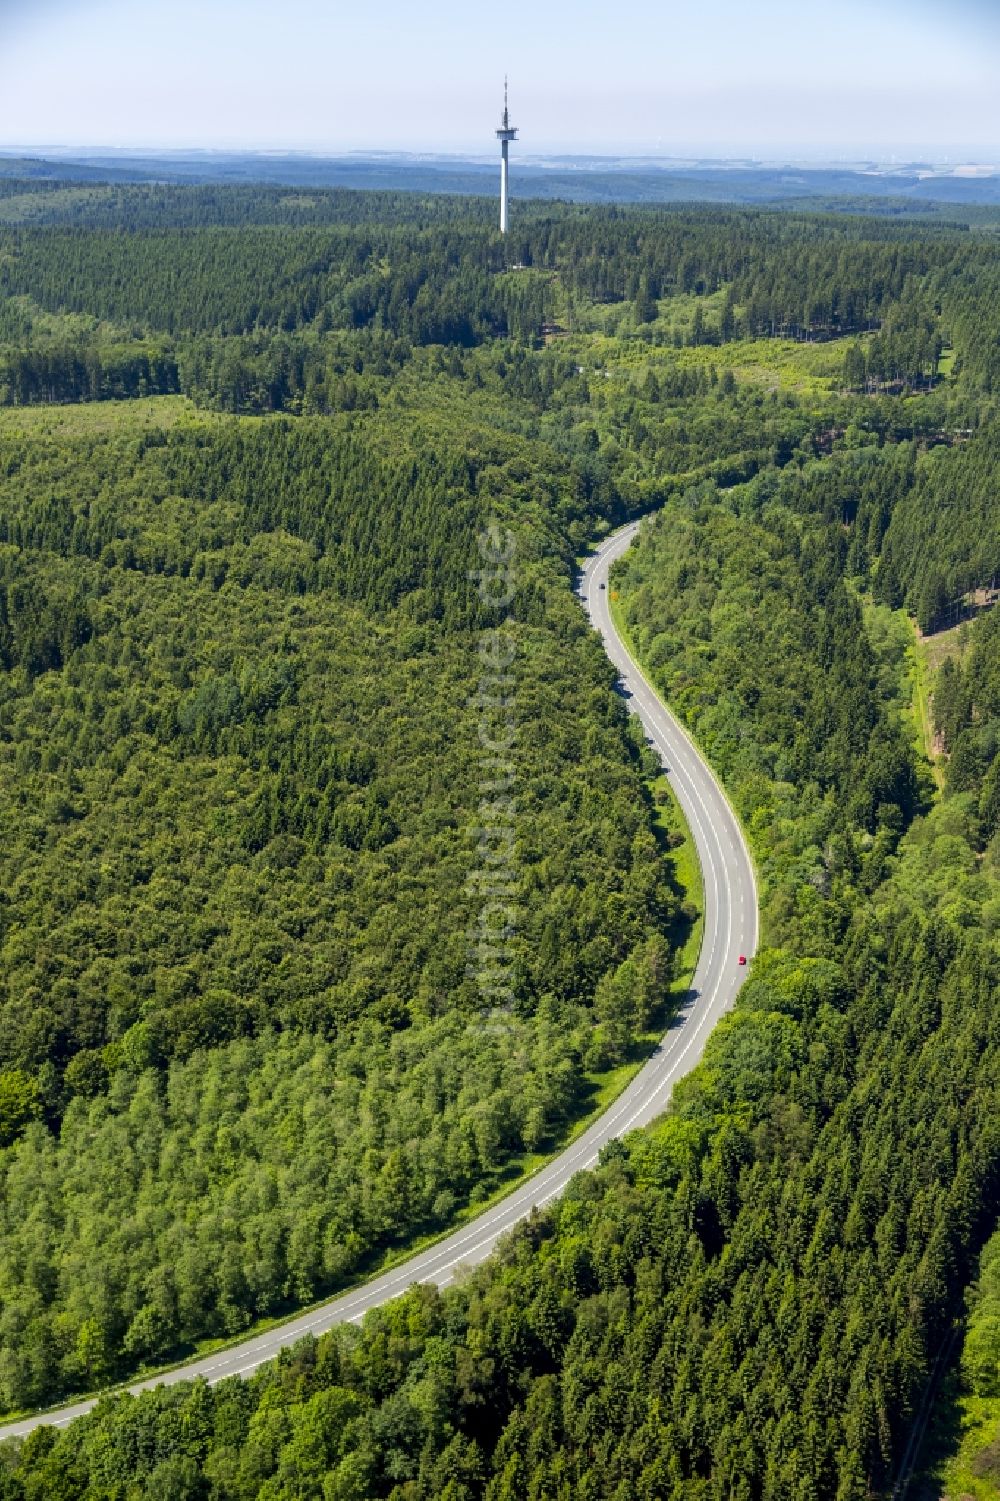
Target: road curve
pixel 730 907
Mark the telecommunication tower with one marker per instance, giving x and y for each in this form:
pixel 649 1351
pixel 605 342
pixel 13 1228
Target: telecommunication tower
pixel 505 134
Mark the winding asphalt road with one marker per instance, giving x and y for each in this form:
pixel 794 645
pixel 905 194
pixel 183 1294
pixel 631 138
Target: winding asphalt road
pixel 730 906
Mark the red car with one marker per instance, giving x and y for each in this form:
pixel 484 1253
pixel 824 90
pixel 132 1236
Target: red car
pixel 743 958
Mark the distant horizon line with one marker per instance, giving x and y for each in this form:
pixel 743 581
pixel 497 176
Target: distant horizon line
pixel 980 159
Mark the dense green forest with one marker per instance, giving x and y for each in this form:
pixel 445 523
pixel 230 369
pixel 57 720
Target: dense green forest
pixel 248 448
pixel 246 306
pixel 239 728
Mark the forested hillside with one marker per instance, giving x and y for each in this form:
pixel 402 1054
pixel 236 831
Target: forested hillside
pixel 249 309
pixel 243 468
pixel 239 723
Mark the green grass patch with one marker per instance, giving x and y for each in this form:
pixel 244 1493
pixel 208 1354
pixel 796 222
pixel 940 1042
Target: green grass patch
pixel 86 419
pixel 923 717
pixel 929 652
pixel 781 364
pixel 953 643
pixel 907 679
pixel 808 369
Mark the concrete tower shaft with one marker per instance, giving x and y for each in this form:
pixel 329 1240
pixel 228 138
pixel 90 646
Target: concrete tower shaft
pixel 505 135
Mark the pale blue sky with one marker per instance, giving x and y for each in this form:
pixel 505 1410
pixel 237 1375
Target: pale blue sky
pixel 777 78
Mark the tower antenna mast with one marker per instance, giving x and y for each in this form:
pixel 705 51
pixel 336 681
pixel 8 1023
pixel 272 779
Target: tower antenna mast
pixel 505 135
